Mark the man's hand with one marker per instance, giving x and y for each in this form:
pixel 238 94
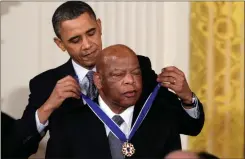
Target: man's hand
pixel 65 88
pixel 173 78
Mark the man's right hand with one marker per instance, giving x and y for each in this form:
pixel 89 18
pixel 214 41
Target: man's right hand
pixel 65 88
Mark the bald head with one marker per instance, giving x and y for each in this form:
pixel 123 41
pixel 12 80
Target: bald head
pixel 118 77
pixel 111 53
pixel 182 155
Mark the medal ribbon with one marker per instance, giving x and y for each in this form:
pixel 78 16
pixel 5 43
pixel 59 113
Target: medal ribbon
pixel 112 125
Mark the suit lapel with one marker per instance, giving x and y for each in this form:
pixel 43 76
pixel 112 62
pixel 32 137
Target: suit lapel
pixel 138 106
pixel 100 138
pixel 66 69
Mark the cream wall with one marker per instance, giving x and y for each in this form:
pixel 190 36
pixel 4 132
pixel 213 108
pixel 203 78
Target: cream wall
pixel 159 30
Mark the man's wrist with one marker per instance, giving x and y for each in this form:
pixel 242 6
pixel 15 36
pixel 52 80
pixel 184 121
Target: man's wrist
pixel 43 113
pixel 46 107
pixel 190 102
pixel 40 126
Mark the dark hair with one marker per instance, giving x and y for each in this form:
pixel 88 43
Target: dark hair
pixel 205 155
pixel 68 11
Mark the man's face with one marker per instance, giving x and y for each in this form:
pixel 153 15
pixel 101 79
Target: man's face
pixel 121 81
pixel 81 37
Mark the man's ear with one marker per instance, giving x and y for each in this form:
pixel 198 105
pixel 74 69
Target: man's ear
pixel 59 43
pixel 97 80
pixel 99 24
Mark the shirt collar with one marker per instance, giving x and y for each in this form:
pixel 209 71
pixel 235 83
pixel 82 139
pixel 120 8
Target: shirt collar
pixel 127 114
pixel 80 71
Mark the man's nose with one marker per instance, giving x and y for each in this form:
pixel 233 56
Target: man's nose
pixel 129 79
pixel 86 43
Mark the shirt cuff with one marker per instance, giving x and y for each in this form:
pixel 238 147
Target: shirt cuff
pixel 193 112
pixel 40 126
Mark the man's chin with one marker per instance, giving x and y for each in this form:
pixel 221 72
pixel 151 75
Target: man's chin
pixel 90 65
pixel 128 104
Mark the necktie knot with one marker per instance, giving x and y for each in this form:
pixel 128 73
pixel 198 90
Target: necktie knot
pixel 90 75
pixel 118 119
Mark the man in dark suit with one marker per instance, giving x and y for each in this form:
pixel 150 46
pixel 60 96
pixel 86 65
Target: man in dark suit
pixel 7 123
pixel 55 93
pixel 119 83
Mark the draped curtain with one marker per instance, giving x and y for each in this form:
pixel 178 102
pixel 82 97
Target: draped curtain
pixel 217 75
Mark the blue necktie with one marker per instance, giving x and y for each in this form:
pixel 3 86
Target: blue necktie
pixel 92 91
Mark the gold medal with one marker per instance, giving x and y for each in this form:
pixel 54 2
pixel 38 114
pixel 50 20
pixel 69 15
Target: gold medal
pixel 128 149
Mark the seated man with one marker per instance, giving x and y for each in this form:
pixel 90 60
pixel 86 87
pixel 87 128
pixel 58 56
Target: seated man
pixel 87 133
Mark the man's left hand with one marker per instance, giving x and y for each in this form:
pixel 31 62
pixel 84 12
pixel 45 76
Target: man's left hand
pixel 173 78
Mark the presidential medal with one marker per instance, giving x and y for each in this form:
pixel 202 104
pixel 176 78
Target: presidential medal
pixel 128 149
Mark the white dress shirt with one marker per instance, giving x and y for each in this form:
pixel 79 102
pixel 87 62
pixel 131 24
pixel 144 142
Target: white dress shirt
pixel 126 115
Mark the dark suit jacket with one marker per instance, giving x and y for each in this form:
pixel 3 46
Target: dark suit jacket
pixel 26 138
pixel 7 123
pixel 86 138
